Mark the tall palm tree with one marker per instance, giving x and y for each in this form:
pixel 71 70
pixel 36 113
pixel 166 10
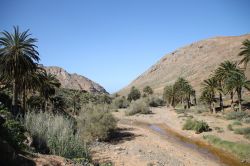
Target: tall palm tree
pixel 238 81
pixel 185 91
pixel 48 86
pixel 18 56
pixel 222 73
pixel 245 53
pixel 31 81
pixel 209 89
pixel 208 98
pixel 169 95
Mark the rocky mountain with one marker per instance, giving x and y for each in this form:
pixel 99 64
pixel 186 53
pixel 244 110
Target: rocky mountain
pixel 74 81
pixel 194 62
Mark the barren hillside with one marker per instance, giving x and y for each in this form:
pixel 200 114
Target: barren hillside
pixel 194 62
pixel 75 81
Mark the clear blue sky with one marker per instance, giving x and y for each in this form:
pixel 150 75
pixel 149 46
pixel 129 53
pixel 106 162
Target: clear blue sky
pixel 113 41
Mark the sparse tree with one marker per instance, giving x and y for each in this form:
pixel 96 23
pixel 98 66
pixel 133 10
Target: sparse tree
pixel 134 94
pixel 148 90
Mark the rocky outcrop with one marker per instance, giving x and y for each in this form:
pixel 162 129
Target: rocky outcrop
pixel 194 62
pixel 74 81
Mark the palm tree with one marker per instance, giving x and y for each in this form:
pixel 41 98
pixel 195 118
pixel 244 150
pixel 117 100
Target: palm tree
pixel 48 86
pixel 245 53
pixel 18 56
pixel 31 81
pixel 208 93
pixel 222 73
pixel 238 81
pixel 225 71
pixel 171 95
pixel 185 91
pixel 208 98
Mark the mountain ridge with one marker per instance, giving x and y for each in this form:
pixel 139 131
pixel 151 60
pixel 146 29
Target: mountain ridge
pixel 74 80
pixel 194 61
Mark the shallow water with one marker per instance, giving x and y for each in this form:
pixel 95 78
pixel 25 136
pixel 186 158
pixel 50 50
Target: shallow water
pixel 207 151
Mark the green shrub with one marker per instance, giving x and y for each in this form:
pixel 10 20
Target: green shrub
pixel 96 122
pixel 56 133
pixel 138 107
pixel 241 150
pixel 13 132
pixel 247 136
pixel 180 111
pixel 230 127
pixel 236 115
pixel 246 120
pixel 237 123
pixel 155 102
pixel 242 131
pixel 219 129
pixel 148 90
pixel 197 126
pixel 120 102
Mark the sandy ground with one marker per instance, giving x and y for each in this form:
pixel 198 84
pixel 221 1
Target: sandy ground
pixel 138 145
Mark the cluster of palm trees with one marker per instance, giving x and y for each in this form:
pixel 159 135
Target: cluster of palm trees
pixel 180 92
pixel 228 78
pixel 20 71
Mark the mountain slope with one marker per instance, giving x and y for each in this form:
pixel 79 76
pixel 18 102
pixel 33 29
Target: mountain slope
pixel 74 81
pixel 194 62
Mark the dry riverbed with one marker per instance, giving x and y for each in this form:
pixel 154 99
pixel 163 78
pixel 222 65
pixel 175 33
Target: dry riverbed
pixel 139 144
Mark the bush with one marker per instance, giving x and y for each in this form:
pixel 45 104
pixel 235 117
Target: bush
pixel 197 126
pixel 138 107
pixel 180 111
pixel 155 102
pixel 219 129
pixel 134 94
pixel 242 131
pixel 13 132
pixel 96 122
pixel 241 150
pixel 148 90
pixel 236 115
pixel 230 127
pixel 120 102
pixel 237 123
pixel 55 133
pixel 246 120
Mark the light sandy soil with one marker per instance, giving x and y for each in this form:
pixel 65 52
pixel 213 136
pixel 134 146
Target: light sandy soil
pixel 139 145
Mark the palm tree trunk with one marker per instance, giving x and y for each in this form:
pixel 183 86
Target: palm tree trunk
pixel 195 102
pixel 45 105
pixel 173 102
pixel 189 102
pixel 24 100
pixel 239 97
pixel 232 99
pixel 213 107
pixel 221 103
pixel 14 99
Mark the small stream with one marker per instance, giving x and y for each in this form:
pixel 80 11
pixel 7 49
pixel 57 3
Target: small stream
pixel 205 150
